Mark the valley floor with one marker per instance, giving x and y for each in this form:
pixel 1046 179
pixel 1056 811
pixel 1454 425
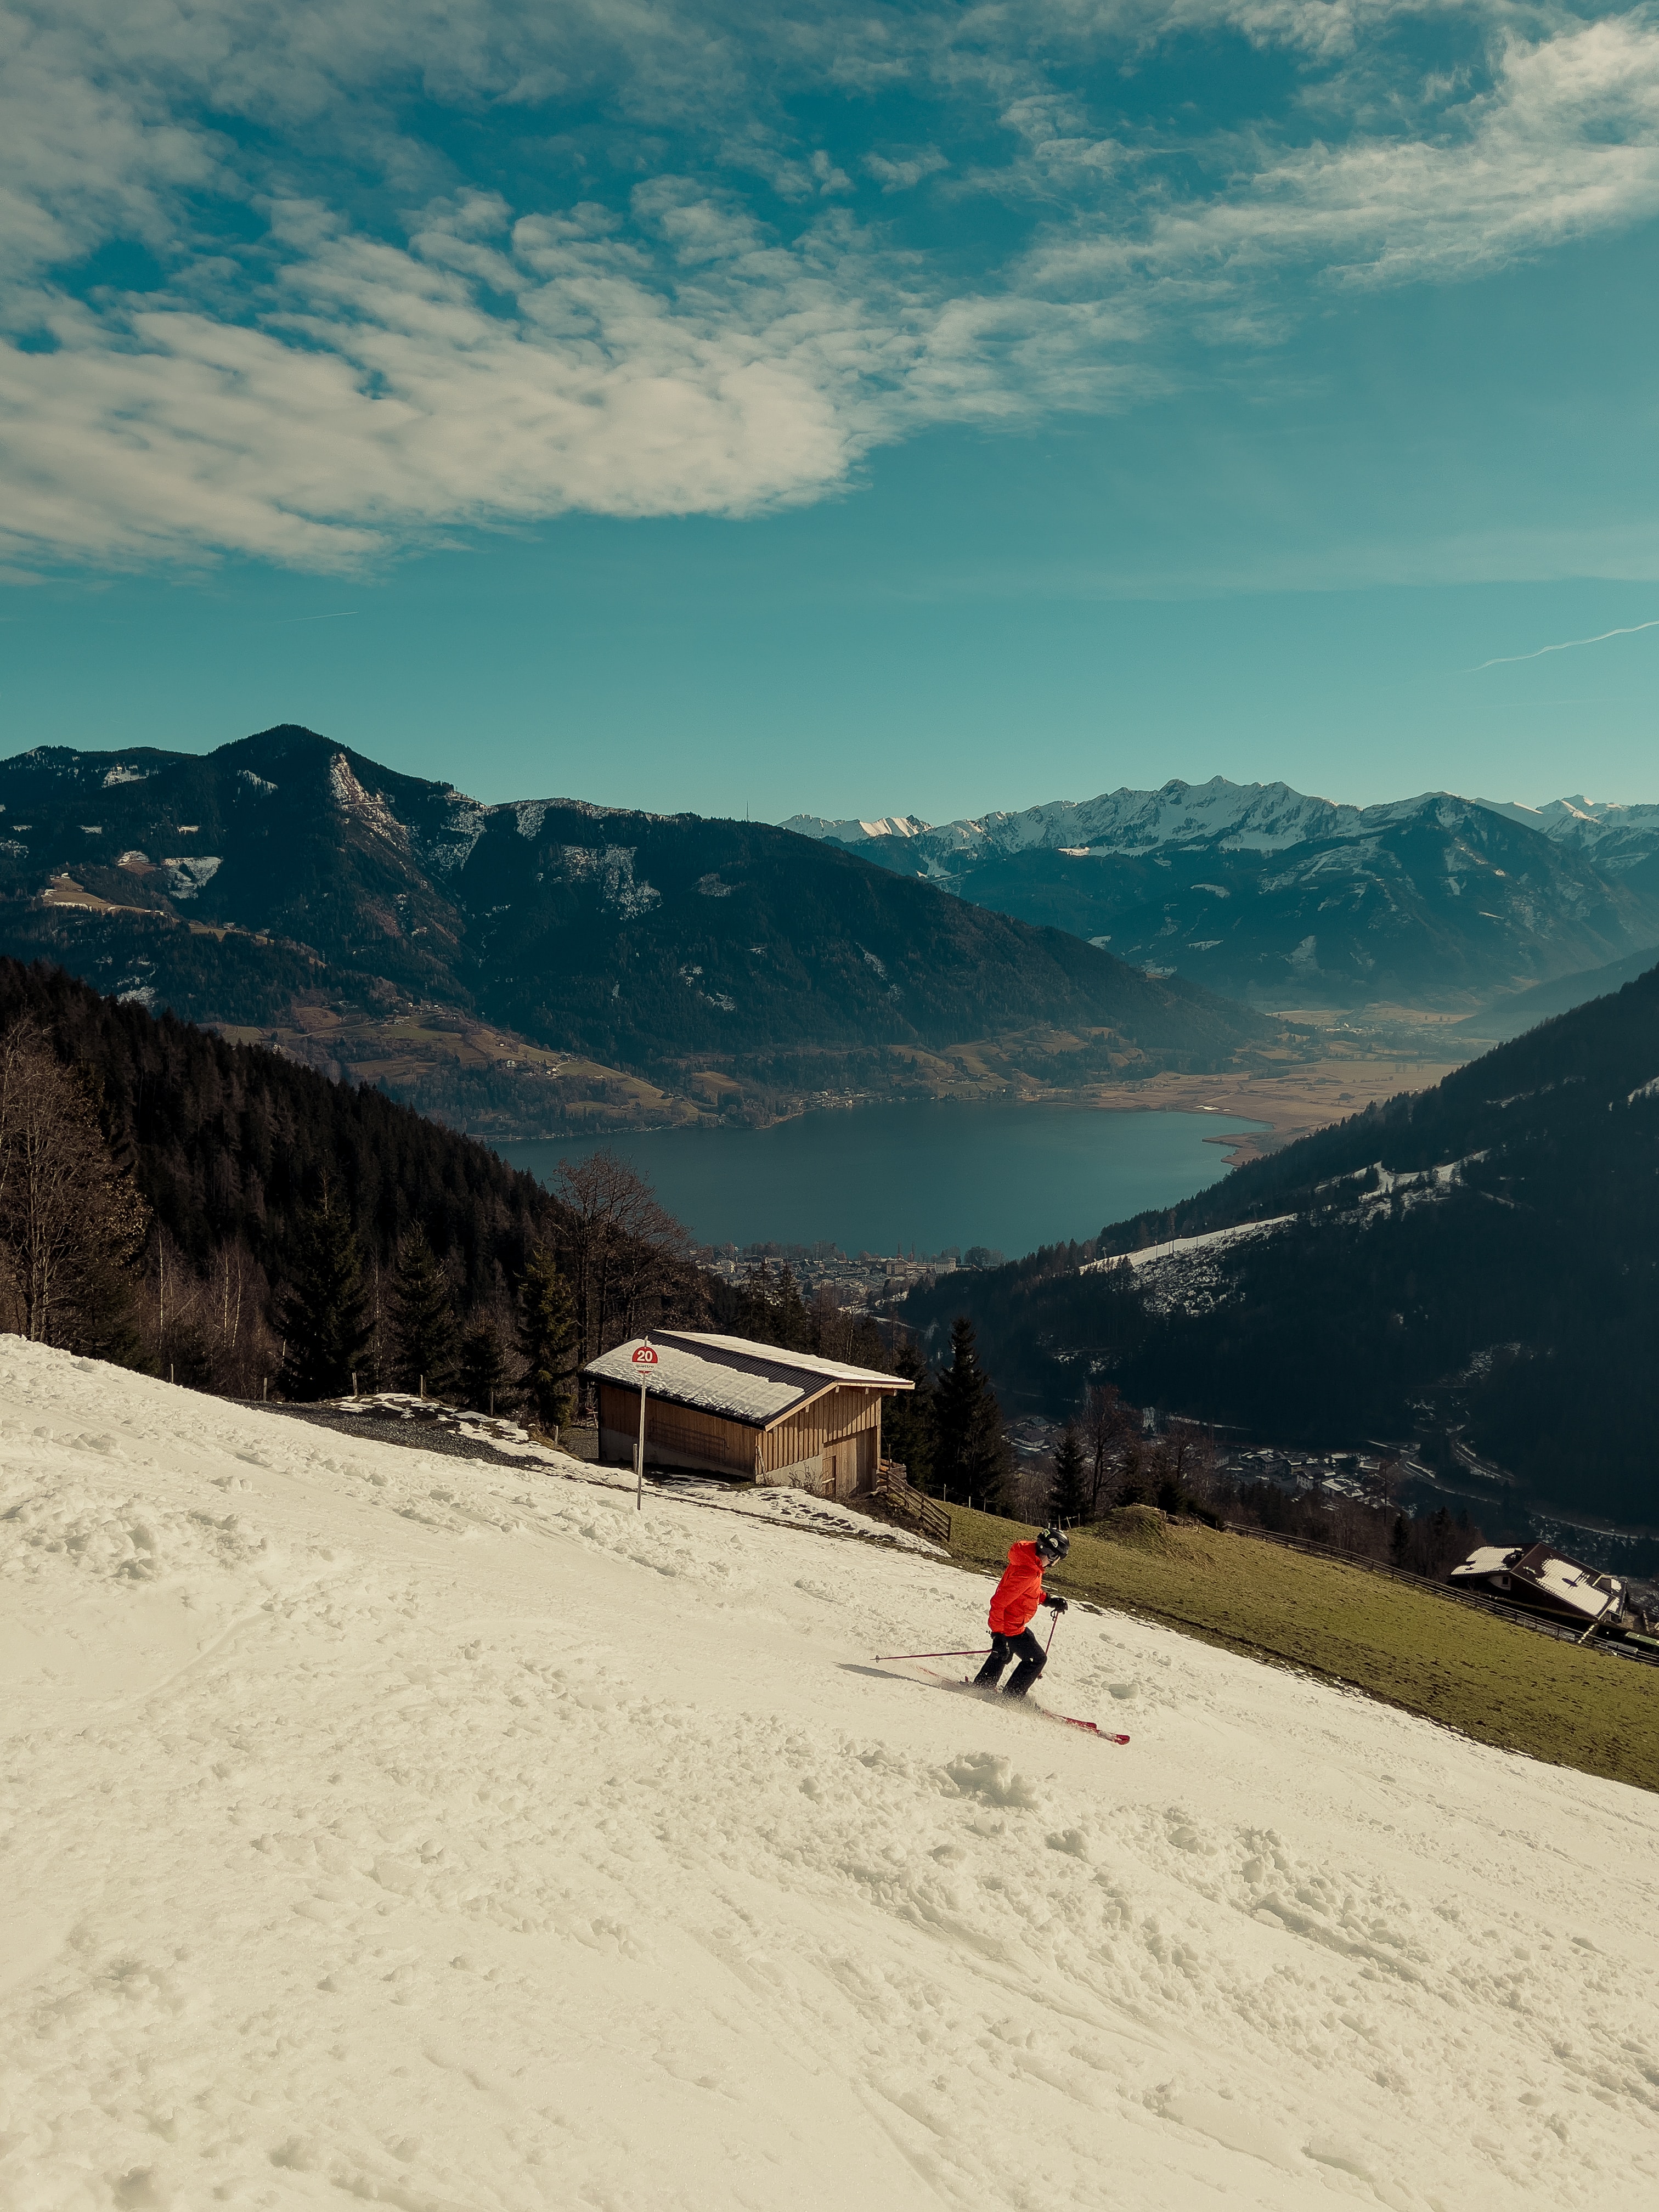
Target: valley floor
pixel 453 1836
pixel 1302 1098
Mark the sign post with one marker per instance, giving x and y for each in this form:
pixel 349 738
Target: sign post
pixel 645 1359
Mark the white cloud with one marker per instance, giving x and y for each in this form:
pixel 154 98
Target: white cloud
pixel 905 174
pixel 344 343
pixel 1566 143
pixel 406 407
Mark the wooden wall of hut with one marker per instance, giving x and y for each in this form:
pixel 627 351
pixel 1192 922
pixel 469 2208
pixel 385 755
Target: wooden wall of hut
pixel 844 1422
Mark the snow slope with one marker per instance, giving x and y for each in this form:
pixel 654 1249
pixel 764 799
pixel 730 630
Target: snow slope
pixel 1188 1274
pixel 447 1837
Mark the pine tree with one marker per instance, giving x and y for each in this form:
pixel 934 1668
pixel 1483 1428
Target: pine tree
pixel 1069 1495
pixel 547 1338
pixel 910 1429
pixel 973 1457
pixel 423 1319
pixel 777 1313
pixel 485 1384
pixel 324 1310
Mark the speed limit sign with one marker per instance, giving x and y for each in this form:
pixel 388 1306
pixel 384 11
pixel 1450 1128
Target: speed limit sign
pixel 644 1356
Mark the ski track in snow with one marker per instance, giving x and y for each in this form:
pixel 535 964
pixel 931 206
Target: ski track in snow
pixel 453 1836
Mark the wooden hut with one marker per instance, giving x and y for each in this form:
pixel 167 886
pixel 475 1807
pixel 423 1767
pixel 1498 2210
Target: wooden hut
pixel 724 1404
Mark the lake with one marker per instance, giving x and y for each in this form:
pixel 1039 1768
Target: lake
pixel 883 1178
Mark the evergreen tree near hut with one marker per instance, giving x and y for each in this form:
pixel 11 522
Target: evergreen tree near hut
pixel 972 1460
pixel 423 1332
pixel 485 1384
pixel 324 1310
pixel 1069 1497
pixel 909 1426
pixel 777 1313
pixel 548 1339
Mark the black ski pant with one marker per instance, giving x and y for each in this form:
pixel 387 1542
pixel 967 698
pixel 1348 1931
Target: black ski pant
pixel 1024 1647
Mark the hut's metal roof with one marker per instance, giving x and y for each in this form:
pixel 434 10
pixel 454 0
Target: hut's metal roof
pixel 739 1380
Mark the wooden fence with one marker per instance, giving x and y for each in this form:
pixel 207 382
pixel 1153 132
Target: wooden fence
pixel 914 1508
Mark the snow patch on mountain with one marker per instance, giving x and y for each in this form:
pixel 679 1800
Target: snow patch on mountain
pixel 1378 1186
pixel 1183 1273
pixel 449 847
pixel 612 867
pixel 186 875
pixel 362 806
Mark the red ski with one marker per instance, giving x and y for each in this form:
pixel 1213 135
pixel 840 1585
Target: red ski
pixel 1062 1720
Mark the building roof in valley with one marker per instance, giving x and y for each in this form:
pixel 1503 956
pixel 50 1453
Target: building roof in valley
pixel 733 1377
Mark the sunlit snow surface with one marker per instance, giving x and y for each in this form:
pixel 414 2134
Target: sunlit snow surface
pixel 380 1826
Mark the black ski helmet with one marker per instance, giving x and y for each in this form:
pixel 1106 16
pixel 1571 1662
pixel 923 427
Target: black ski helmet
pixel 1052 1544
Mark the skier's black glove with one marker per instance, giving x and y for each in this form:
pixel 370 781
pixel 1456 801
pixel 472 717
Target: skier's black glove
pixel 1055 1604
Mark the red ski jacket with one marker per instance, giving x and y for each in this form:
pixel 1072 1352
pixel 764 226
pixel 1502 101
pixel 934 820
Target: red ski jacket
pixel 1020 1593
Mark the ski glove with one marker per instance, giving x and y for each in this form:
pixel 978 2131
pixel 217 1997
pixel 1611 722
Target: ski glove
pixel 1055 1604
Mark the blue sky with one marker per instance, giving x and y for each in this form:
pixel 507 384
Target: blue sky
pixel 798 408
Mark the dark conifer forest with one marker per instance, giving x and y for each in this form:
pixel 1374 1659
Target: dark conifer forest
pixel 234 1151
pixel 268 1229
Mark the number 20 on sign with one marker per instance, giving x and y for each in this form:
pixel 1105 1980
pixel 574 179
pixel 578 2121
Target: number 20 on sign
pixel 645 1359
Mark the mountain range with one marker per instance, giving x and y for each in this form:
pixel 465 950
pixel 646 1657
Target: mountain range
pixel 286 887
pixel 1282 899
pixel 1478 1263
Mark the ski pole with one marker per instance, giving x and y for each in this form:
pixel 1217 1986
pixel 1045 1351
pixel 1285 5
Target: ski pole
pixel 934 1655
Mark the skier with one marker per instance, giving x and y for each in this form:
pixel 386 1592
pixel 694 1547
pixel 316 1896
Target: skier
pixel 1017 1597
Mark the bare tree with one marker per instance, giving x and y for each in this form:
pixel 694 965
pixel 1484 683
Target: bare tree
pixel 208 1327
pixel 174 1299
pixel 1183 1465
pixel 1110 1427
pixel 627 1252
pixel 72 1222
pixel 229 1293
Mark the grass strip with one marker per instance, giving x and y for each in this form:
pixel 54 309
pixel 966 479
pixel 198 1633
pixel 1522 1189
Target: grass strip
pixel 1493 1681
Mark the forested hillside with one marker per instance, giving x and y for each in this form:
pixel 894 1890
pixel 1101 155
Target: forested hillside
pixel 233 1151
pixel 1481 1259
pixel 173 1202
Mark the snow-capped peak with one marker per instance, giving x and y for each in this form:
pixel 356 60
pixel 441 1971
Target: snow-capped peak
pixel 1577 819
pixel 1264 817
pixel 1259 817
pixel 1617 834
pixel 853 832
